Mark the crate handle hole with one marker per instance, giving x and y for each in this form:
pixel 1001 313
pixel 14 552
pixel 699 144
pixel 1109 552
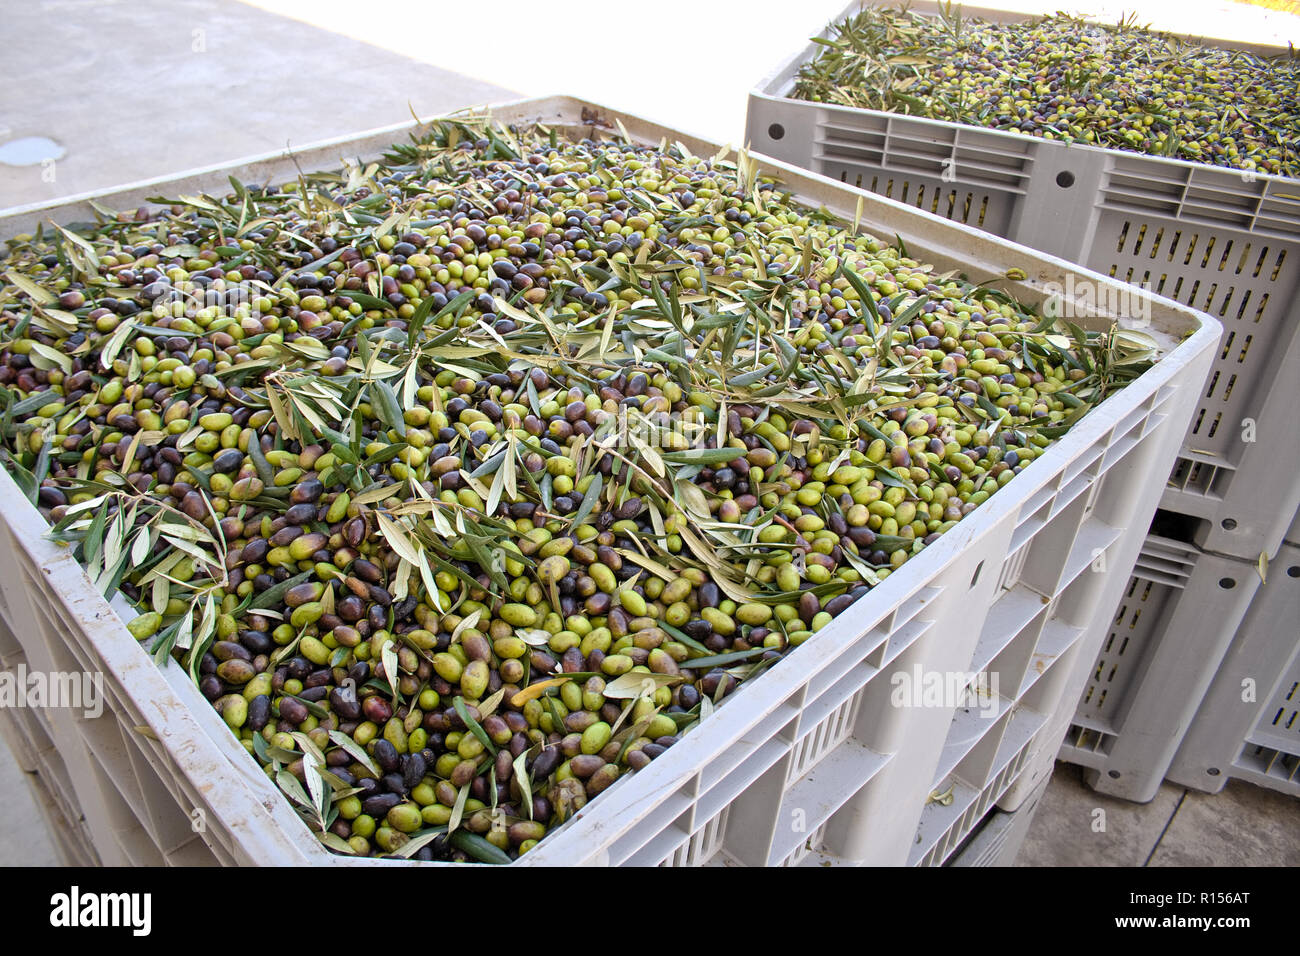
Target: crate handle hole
pixel 1065 179
pixel 1227 583
pixel 776 131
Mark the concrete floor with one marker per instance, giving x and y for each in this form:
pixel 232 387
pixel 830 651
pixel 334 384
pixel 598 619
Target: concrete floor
pixel 24 838
pixel 131 90
pixel 147 87
pixel 1244 825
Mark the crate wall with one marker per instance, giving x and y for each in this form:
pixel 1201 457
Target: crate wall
pixel 1248 725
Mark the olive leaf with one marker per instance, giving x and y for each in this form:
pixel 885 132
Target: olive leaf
pixel 489 707
pixel 721 660
pixel 388 655
pixel 396 538
pixel 274 594
pixel 534 691
pixel 35 292
pixel 458 810
pixel 465 623
pixel 477 847
pixel 533 637
pixel 293 789
pixel 336 843
pixel 458 703
pixel 589 500
pixel 416 842
pixel 520 766
pixel 632 685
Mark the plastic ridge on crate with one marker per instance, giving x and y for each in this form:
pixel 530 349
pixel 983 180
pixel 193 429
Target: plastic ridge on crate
pixel 25 731
pixel 810 760
pixel 1040 639
pixel 999 836
pixel 1168 634
pixel 1220 240
pixel 1248 723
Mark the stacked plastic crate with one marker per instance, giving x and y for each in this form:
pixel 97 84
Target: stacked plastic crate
pixel 1248 725
pixel 1178 618
pixel 1224 242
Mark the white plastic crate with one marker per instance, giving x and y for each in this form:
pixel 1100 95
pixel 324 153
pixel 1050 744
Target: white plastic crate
pixel 26 733
pixel 114 788
pixel 21 727
pixel 1168 634
pixel 1212 238
pixel 1248 725
pixel 1000 835
pixel 1039 638
pixel 810 761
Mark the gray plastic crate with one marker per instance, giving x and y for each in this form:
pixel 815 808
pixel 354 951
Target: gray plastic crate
pixel 1244 506
pixel 1171 629
pixel 1248 725
pixel 1219 240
